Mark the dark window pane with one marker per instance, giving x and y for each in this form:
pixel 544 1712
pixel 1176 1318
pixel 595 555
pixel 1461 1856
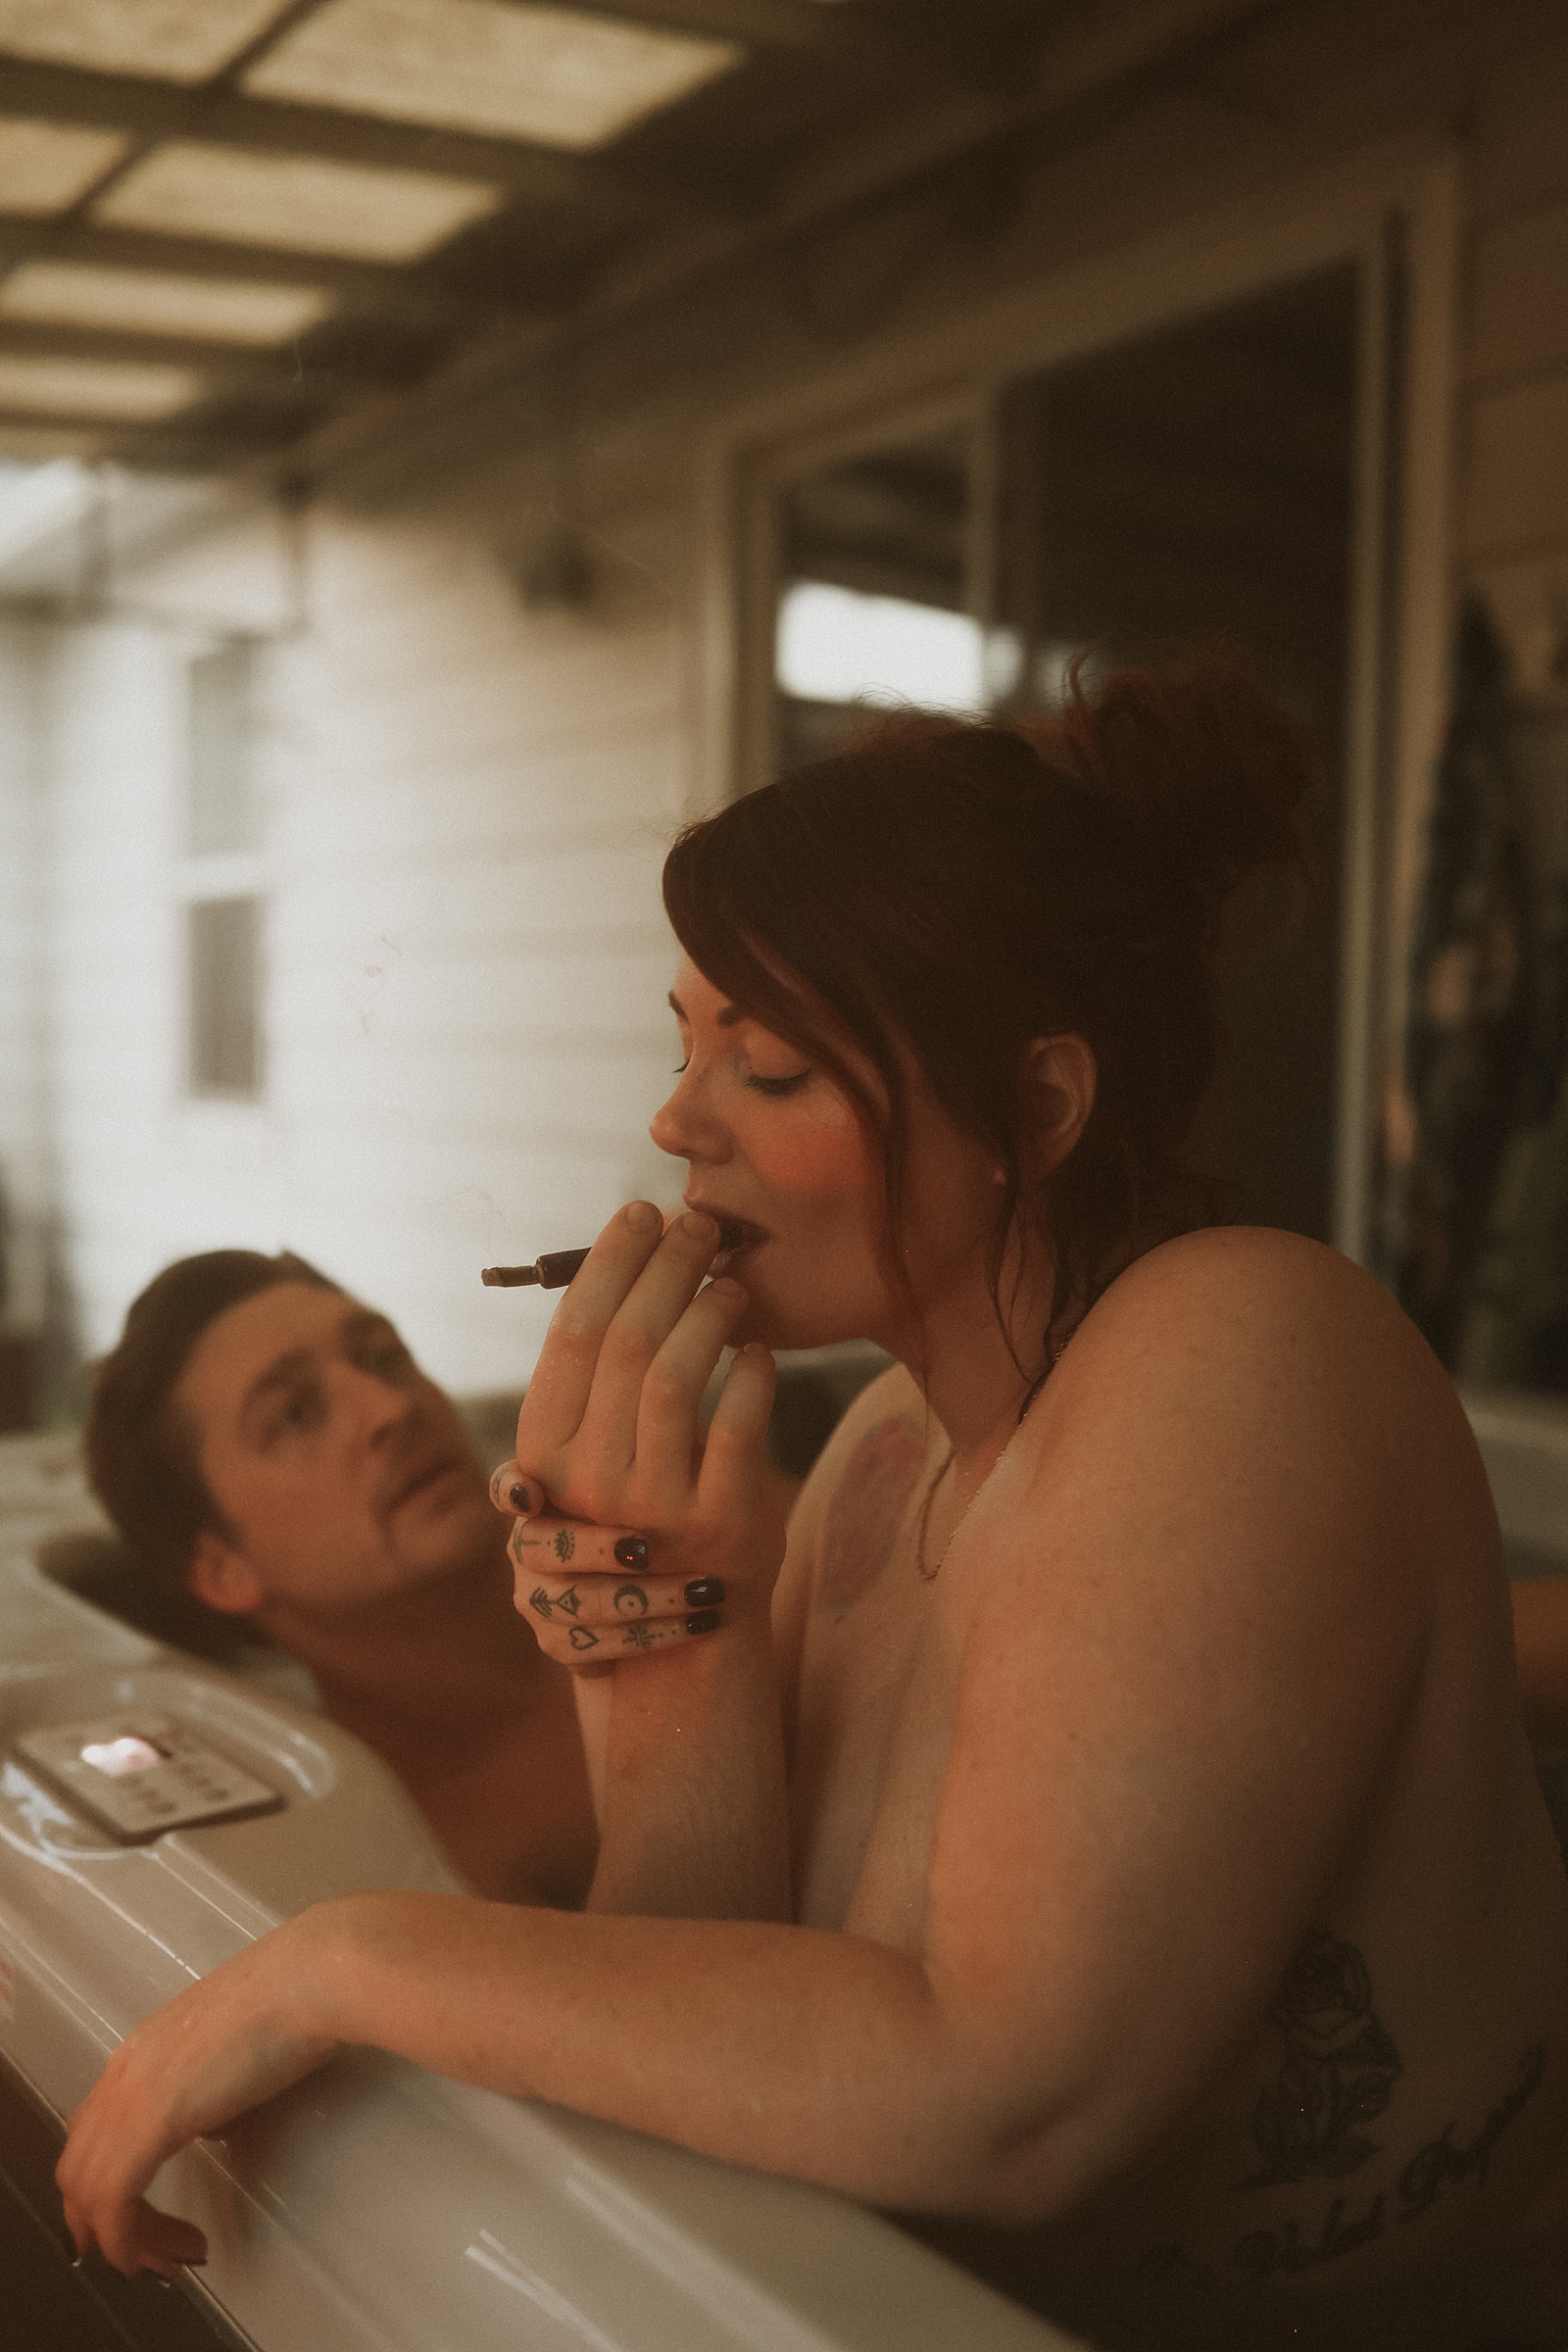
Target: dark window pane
pixel 225 996
pixel 224 813
pixel 874 587
pixel 1196 483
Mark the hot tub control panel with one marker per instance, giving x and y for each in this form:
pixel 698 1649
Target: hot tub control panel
pixel 136 1774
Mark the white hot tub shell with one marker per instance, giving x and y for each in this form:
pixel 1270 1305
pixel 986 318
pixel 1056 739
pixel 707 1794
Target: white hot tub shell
pixel 376 2208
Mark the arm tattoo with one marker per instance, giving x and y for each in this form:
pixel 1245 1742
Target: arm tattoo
pixel 1340 2069
pixel 868 1510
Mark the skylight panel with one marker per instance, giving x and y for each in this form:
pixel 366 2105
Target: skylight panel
pixel 146 302
pixel 504 67
pixel 171 40
pixel 301 203
pixel 45 166
pixel 119 388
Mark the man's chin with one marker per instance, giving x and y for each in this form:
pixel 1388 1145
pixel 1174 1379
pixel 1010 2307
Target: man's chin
pixel 442 1490
pixel 445 1528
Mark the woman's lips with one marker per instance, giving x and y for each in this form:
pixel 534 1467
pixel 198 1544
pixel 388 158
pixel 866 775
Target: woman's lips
pixel 738 1236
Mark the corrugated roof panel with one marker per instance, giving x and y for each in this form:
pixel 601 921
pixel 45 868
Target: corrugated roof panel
pixel 120 388
pixel 169 40
pixel 45 166
pixel 502 67
pixel 156 302
pixel 299 203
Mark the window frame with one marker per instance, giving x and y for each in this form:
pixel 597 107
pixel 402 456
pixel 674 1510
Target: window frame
pixel 203 876
pixel 1397 216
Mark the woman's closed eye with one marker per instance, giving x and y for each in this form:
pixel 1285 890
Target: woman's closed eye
pixel 762 1084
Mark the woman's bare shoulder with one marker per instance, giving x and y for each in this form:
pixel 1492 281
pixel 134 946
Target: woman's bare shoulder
pixel 1251 1285
pixel 1248 1345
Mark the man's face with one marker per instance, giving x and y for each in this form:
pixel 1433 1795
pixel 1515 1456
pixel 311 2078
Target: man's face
pixel 343 1474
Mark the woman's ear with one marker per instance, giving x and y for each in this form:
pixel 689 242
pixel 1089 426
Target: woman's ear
pixel 1060 1077
pixel 222 1576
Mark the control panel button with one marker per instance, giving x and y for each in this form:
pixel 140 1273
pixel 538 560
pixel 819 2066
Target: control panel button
pixel 138 1773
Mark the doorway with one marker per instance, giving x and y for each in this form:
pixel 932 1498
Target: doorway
pixel 1191 482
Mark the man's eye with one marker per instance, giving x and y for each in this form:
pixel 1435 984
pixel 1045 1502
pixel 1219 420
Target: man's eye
pixel 379 1350
pixel 300 1409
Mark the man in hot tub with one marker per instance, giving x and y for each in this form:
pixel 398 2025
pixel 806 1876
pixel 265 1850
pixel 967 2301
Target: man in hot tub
pixel 269 1444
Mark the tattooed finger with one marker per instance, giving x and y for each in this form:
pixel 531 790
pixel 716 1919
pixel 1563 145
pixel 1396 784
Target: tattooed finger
pixel 540 1542
pixel 513 1490
pixel 598 1602
pixel 572 1645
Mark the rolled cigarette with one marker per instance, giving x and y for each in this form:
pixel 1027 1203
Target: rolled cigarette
pixel 552 1272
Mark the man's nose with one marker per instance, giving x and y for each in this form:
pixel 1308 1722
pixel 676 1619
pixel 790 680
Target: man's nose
pixel 380 1405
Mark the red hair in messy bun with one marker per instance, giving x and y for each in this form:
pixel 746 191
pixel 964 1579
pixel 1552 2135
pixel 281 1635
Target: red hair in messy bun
pixel 966 886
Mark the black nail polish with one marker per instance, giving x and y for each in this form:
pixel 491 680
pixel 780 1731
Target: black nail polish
pixel 519 1499
pixel 632 1552
pixel 705 1621
pixel 704 1592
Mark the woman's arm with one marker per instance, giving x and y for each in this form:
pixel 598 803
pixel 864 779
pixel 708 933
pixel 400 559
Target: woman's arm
pixel 823 2056
pixel 645 1549
pixel 695 1822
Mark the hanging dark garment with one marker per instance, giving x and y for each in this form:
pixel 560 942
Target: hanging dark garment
pixel 1471 992
pixel 1515 1329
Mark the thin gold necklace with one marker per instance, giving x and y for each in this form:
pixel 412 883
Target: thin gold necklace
pixel 928 1576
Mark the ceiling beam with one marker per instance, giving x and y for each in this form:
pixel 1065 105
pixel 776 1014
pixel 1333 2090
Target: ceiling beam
pixel 154 111
pixel 368 282
pixel 803 25
pixel 115 434
pixel 1120 46
pixel 223 366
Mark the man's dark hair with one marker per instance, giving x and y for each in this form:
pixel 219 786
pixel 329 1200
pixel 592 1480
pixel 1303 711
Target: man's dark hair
pixel 141 1449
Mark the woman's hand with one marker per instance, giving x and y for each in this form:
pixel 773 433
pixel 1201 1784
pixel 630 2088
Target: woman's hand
pixel 223 2045
pixel 632 1533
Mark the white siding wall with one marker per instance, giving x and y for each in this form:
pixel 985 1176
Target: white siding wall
pixel 468 803
pixel 26 1173
pixel 467 808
